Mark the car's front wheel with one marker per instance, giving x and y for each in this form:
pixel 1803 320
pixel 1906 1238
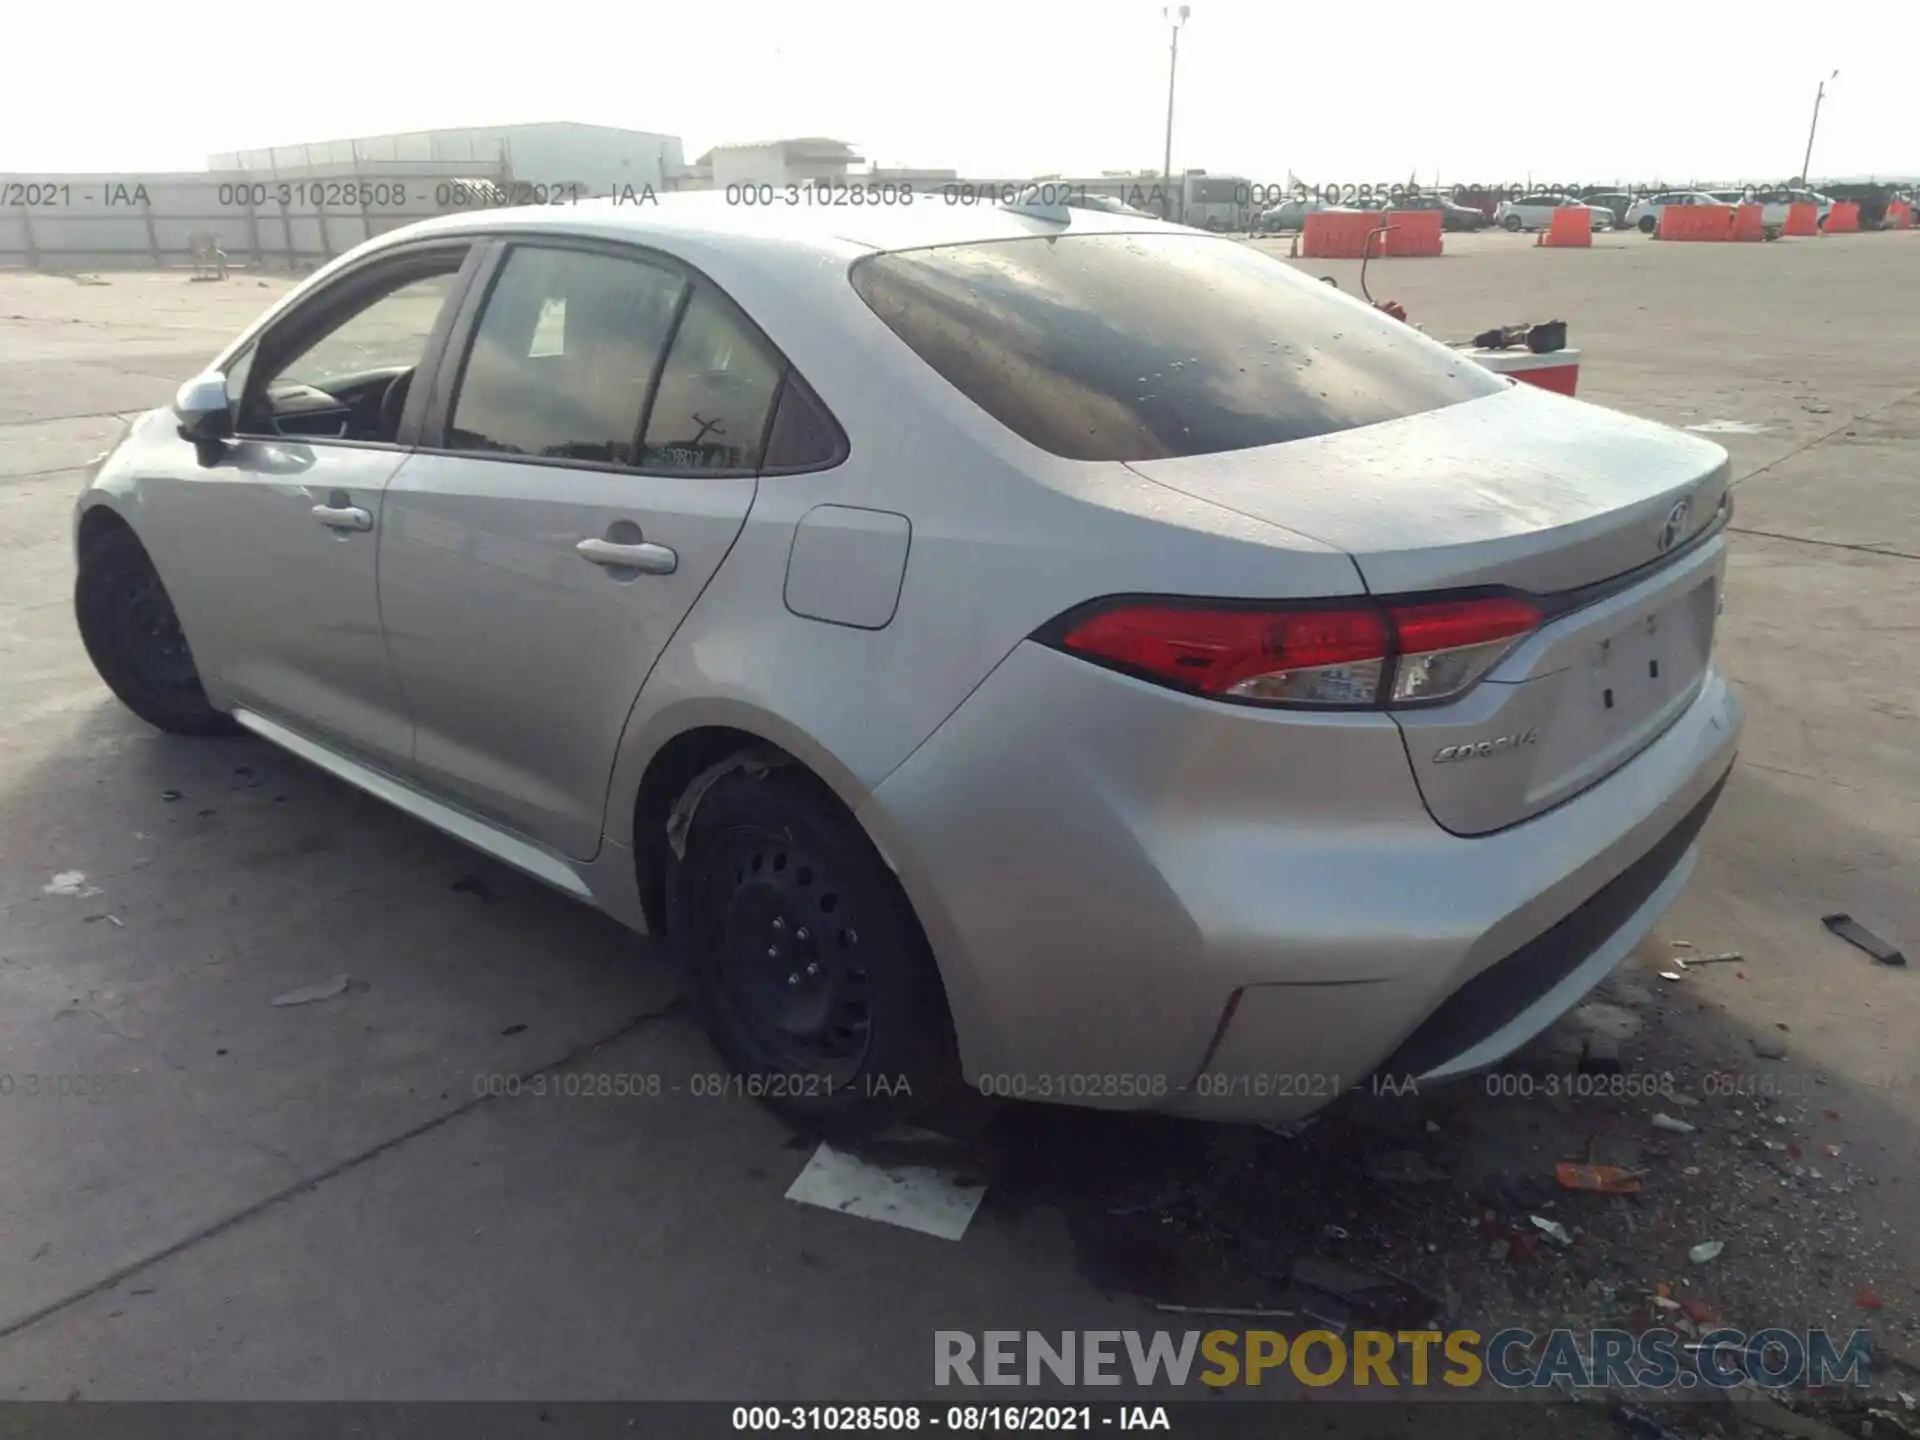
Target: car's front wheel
pixel 804 958
pixel 132 635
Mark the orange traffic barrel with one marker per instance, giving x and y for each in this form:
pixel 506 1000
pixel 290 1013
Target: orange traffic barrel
pixel 1696 222
pixel 1749 223
pixel 1803 218
pixel 1843 218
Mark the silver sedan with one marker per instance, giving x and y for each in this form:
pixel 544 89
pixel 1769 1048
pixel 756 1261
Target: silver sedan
pixel 1039 648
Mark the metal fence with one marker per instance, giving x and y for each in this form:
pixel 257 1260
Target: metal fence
pixel 258 222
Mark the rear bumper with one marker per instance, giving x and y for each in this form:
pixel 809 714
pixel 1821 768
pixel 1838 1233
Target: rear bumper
pixel 1140 900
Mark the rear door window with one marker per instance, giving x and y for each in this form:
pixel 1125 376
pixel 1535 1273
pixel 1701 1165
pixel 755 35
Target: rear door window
pixel 1142 347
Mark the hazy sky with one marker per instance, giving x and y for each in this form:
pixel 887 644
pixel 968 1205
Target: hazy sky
pixel 1479 90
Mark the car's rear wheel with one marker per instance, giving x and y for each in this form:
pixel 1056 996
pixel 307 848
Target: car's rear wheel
pixel 132 635
pixel 804 958
pixel 1514 223
pixel 1648 224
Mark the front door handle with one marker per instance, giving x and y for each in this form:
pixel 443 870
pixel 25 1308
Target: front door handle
pixel 343 517
pixel 644 556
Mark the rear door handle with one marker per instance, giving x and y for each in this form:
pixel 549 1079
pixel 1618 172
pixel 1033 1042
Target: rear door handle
pixel 644 556
pixel 343 517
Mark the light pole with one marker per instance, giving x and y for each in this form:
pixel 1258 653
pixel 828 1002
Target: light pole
pixel 1806 178
pixel 1176 18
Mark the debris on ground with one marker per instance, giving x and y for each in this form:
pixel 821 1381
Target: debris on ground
pixel 1552 1229
pixel 514 1030
pixel 1854 933
pixel 475 886
pixel 72 883
pixel 1600 1179
pixel 1664 1121
pixel 1768 1048
pixel 308 994
pixel 1706 1251
pixel 1237 1312
pixel 169 796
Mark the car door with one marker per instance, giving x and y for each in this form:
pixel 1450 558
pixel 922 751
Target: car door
pixel 589 458
pixel 269 542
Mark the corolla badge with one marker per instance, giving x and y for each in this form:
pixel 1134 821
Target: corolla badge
pixel 1675 530
pixel 1480 750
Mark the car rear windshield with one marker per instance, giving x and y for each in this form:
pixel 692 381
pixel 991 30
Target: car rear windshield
pixel 1141 347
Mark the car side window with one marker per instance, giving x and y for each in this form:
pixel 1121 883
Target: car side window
pixel 345 373
pixel 563 356
pixel 805 436
pixel 715 395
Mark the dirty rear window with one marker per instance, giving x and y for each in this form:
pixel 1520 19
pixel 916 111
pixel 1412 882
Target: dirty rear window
pixel 1141 347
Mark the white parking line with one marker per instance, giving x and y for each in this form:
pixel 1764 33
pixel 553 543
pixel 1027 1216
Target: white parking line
pixel 917 1197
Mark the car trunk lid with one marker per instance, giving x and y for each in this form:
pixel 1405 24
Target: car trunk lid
pixel 1599 515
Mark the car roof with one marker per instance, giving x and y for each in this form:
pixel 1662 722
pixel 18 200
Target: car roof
pixel 710 220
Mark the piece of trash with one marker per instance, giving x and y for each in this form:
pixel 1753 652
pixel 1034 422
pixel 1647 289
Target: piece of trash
pixel 1552 1229
pixel 113 920
pixel 307 994
pixel 1768 1048
pixel 513 1030
pixel 1866 1299
pixel 1691 1171
pixel 67 882
pixel 1728 427
pixel 1854 933
pixel 1687 962
pixel 1662 1302
pixel 1335 1232
pixel 475 886
pixel 1664 1121
pixel 1405 1167
pixel 1680 1097
pixel 206 814
pixel 1600 1179
pixel 1705 1251
pixel 1671 975
pixel 170 796
pixel 141 835
pixel 1697 1310
pixel 1831 1151
pixel 1908 1400
pixel 1681 944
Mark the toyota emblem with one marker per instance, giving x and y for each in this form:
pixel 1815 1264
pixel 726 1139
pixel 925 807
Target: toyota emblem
pixel 1675 530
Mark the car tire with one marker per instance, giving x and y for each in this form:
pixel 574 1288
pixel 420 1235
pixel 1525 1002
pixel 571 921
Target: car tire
pixel 804 959
pixel 1513 223
pixel 132 634
pixel 1648 224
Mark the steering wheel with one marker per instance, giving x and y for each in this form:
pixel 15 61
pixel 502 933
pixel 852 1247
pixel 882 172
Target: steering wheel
pixel 393 403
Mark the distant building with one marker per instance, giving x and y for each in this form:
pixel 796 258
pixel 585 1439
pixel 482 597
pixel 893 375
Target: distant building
pixel 772 162
pixel 600 159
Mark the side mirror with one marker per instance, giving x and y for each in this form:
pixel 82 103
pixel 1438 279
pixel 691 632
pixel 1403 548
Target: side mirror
pixel 201 407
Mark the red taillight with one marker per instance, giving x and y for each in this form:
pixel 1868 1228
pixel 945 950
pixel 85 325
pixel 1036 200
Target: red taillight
pixel 1351 656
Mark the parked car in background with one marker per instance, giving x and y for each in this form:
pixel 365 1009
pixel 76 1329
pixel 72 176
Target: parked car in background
pixel 1535 212
pixel 1774 211
pixel 1644 215
pixel 1292 214
pixel 1453 215
pixel 961 707
pixel 1615 203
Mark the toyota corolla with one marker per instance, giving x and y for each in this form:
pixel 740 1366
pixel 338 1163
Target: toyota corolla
pixel 1034 647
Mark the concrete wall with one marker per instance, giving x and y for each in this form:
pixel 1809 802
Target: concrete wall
pixel 100 222
pixel 599 159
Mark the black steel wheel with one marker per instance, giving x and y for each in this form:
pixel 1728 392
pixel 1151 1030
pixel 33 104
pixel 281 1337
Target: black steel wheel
pixel 132 635
pixel 804 958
